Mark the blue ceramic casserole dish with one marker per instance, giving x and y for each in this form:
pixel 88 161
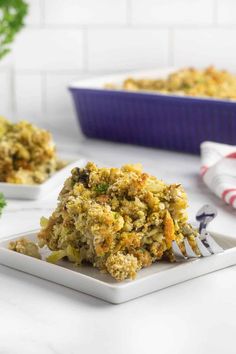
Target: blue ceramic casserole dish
pixel 163 121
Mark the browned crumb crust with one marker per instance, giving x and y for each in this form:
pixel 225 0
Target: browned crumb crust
pixel 208 82
pixel 119 220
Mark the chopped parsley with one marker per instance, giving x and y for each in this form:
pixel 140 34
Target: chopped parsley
pixel 102 188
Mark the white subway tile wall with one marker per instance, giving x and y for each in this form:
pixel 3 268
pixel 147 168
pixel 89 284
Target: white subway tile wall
pixel 49 49
pixel 85 12
pixel 121 49
pixel 65 40
pixel 58 104
pixel 171 12
pixel 35 15
pixel 226 13
pixel 205 46
pixel 28 96
pixel 5 92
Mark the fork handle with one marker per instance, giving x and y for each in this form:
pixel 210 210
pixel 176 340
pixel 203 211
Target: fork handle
pixel 203 226
pixel 205 215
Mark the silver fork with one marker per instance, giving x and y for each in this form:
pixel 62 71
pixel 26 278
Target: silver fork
pixel 205 242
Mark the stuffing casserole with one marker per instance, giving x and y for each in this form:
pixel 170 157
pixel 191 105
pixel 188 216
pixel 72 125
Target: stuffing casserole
pixel 208 82
pixel 118 220
pixel 27 153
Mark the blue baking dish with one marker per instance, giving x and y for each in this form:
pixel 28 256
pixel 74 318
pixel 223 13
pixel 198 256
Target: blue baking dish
pixel 163 121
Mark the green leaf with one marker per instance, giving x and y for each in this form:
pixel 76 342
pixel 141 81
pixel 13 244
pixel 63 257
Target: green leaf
pixel 2 203
pixel 12 15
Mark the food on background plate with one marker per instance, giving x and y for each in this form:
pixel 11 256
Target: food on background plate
pixel 27 153
pixel 118 220
pixel 208 82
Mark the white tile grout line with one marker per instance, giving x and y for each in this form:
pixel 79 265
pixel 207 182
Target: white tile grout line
pixel 133 27
pixel 81 73
pixel 215 13
pixel 51 72
pixel 171 47
pixel 44 97
pixel 13 91
pixel 128 12
pixel 42 13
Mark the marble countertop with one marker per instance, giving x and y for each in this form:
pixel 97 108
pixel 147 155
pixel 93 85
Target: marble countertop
pixel 199 316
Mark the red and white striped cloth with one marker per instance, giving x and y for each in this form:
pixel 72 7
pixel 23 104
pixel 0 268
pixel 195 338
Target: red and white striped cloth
pixel 218 170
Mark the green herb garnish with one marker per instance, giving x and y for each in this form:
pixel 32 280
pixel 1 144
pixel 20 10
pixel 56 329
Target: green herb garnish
pixel 2 203
pixel 12 14
pixel 101 188
pixel 186 86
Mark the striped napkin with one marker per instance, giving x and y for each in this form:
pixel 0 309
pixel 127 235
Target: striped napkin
pixel 218 170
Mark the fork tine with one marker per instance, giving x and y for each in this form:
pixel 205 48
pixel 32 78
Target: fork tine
pixel 202 248
pixel 215 248
pixel 189 251
pixel 177 251
pixel 204 251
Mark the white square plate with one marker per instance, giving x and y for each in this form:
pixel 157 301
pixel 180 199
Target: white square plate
pixel 90 281
pixel 37 191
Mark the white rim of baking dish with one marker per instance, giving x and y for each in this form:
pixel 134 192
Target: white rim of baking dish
pixel 98 83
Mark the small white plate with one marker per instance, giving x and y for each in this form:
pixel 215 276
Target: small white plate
pixel 90 281
pixel 37 191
